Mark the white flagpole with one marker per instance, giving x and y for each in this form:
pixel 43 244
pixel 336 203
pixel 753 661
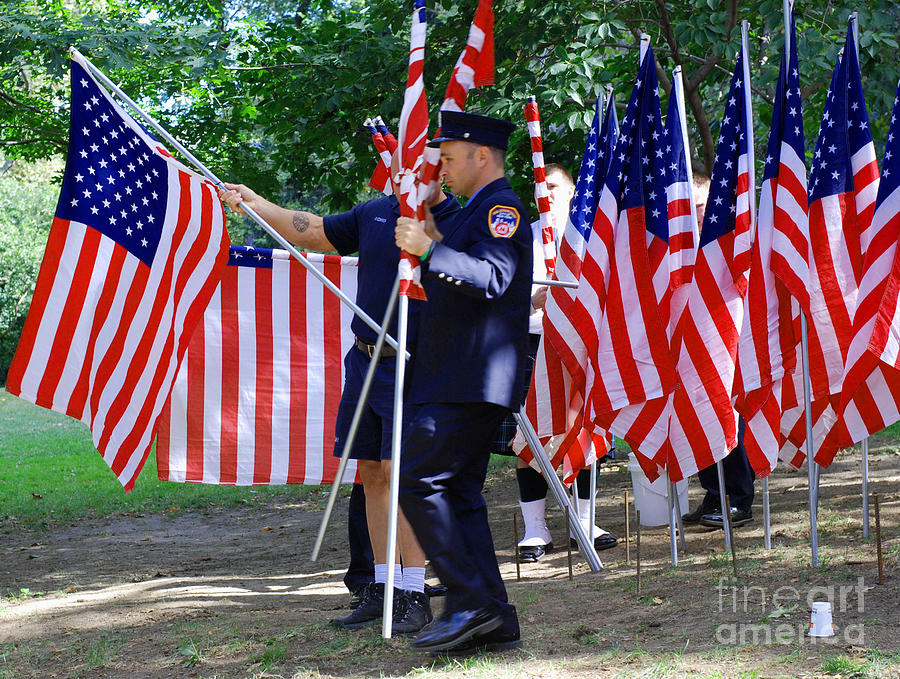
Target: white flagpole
pixel 854 17
pixel 558 490
pixel 396 437
pixel 218 182
pixel 354 424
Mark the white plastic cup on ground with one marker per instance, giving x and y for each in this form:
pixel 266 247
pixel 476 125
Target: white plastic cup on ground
pixel 820 622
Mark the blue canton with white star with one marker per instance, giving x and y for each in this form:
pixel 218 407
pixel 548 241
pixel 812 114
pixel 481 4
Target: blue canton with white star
pixel 787 114
pixel 589 181
pixel 676 169
pixel 637 174
pixel 845 128
pixel 890 171
pixel 721 206
pixel 114 182
pixel 247 255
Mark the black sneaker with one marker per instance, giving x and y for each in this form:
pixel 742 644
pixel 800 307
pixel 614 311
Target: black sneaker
pixel 370 607
pixel 738 517
pixel 356 596
pixel 414 614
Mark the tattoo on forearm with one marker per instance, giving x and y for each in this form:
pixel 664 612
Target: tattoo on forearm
pixel 301 221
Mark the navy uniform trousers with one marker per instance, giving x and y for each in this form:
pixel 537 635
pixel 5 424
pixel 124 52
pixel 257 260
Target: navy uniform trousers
pixel 738 475
pixel 445 456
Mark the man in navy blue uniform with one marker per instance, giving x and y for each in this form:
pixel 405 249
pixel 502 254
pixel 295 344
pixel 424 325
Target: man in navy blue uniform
pixel 369 230
pixel 465 377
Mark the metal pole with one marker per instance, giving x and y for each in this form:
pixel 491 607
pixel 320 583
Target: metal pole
pixel 218 182
pixel 811 463
pixel 556 487
pixel 673 541
pixel 396 435
pixel 865 486
pixel 767 528
pixel 357 414
pixel 678 523
pixel 556 284
pixel 593 491
pixel 723 503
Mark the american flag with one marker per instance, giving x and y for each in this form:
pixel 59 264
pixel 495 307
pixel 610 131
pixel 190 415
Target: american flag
pixel 653 418
pixel 843 185
pixel 541 193
pixel 474 68
pixel 555 403
pixel 389 139
pixel 703 428
pixel 255 400
pixel 136 249
pixel 873 359
pixel 770 337
pixel 626 275
pixel 381 175
pixel 412 135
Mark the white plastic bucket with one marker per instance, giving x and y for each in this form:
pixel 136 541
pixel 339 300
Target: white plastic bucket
pixel 650 496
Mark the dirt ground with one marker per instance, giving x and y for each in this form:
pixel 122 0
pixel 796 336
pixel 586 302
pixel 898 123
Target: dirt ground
pixel 233 593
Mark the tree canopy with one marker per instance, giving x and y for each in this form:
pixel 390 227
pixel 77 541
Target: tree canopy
pixel 273 93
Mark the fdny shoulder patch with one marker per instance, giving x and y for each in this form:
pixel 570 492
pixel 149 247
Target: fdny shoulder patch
pixel 503 221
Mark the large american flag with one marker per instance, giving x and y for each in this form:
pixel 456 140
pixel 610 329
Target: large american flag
pixel 626 275
pixel 255 400
pixel 137 246
pixel 871 389
pixel 703 428
pixel 555 403
pixel 843 185
pixel 770 336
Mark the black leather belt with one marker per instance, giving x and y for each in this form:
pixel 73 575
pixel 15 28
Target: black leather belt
pixel 387 351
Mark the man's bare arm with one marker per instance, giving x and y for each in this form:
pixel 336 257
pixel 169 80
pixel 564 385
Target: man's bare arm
pixel 303 229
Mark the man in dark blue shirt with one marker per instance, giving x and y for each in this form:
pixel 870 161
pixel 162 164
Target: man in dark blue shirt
pixel 466 375
pixel 369 230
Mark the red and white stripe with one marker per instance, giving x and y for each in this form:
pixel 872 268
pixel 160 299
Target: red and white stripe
pixel 381 175
pixel 411 137
pixel 474 68
pixel 541 192
pixel 106 333
pixel 256 398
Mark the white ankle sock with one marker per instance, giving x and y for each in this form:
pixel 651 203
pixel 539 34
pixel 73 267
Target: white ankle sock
pixel 380 573
pixel 414 579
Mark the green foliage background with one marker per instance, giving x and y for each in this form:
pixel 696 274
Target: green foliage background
pixel 273 93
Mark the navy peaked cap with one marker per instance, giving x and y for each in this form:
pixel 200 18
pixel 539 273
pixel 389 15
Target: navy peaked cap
pixel 460 126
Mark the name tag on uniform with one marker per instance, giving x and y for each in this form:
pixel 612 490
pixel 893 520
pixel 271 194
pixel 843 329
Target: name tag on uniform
pixel 503 221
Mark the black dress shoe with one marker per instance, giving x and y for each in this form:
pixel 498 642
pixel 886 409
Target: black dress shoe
pixel 601 542
pixel 738 517
pixel 693 518
pixel 496 641
pixel 532 553
pixel 456 628
pixel 435 590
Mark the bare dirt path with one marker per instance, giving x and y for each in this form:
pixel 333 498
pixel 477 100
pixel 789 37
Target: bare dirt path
pixel 232 593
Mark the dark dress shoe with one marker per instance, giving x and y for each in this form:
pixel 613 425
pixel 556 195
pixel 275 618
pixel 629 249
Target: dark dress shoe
pixel 601 542
pixel 435 590
pixel 693 518
pixel 738 517
pixel 497 641
pixel 456 628
pixel 533 553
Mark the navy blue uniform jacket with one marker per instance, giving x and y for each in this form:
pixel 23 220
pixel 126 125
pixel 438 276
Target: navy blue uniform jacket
pixel 473 330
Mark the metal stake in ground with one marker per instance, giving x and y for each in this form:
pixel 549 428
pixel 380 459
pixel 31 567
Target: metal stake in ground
pixel 516 544
pixel 627 532
pixel 637 548
pixel 878 539
pixel 730 530
pixel 569 542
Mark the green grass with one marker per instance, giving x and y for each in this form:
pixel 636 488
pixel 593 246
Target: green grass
pixel 50 473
